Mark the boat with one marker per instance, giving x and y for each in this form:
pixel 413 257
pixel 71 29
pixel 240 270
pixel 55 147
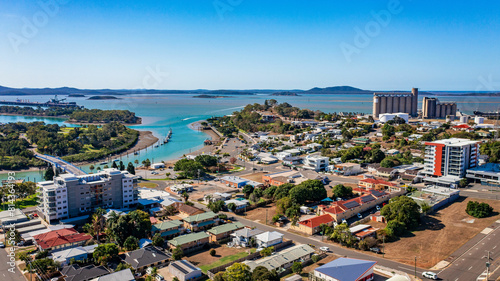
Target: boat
pixel 169 135
pixel 103 163
pixel 116 160
pixel 136 153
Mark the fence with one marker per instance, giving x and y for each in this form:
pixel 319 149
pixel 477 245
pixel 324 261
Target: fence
pixel 211 273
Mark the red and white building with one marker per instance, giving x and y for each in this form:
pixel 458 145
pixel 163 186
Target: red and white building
pixel 451 157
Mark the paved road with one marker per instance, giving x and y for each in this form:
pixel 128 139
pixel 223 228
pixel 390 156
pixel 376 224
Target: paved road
pixel 469 261
pixel 316 241
pixel 5 274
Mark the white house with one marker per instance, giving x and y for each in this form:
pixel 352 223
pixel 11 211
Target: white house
pixel 157 165
pixel 316 162
pixel 268 239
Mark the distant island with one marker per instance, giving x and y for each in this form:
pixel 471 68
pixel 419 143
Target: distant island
pixel 285 94
pixel 210 97
pixel 76 96
pixel 103 98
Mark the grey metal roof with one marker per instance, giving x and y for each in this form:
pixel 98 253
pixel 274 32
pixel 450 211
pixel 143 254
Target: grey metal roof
pixel 145 256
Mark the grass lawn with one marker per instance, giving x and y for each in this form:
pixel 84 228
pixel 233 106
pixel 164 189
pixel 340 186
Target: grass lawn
pixel 29 201
pixel 237 168
pixel 147 184
pixel 225 260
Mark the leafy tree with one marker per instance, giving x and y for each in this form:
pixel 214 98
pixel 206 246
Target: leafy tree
pixel 105 253
pixel 404 210
pixel 232 207
pixel 387 163
pixel 478 210
pixel 216 206
pixel 206 160
pixel 282 191
pixel 316 258
pixel 297 267
pixel 425 208
pixel 238 272
pixel 463 182
pixel 146 163
pixel 213 252
pixel 309 190
pixel 342 191
pixel 185 195
pixel 158 241
pixel 177 253
pixel 122 166
pixel 49 174
pixel 43 266
pixel 131 168
pixel 175 279
pixel 261 273
pixel 247 189
pixel 189 167
pixel 122 266
pixel 135 223
pixel 114 166
pixel 266 251
pixel 219 276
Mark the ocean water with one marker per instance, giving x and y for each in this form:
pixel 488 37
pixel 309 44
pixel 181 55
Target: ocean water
pixel 161 112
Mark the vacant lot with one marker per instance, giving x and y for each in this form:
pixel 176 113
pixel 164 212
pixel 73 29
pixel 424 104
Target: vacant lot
pixel 255 177
pixel 259 214
pixel 440 234
pixel 147 184
pixel 200 190
pixel 223 255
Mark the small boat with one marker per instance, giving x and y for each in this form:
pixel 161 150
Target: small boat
pixel 136 153
pixel 116 160
pixel 103 163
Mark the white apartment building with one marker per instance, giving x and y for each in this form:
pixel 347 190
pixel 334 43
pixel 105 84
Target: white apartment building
pixel 316 162
pixel 69 196
pixel 450 157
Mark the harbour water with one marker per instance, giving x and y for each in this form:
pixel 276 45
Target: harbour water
pixel 161 112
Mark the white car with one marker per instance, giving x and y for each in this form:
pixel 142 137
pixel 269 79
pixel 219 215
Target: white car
pixel 430 275
pixel 324 249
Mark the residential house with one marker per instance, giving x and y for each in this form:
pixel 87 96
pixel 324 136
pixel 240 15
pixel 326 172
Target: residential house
pixel 361 141
pixel 268 239
pixel 292 160
pixel 388 173
pixel 347 169
pixel 344 269
pixel 280 178
pixel 61 239
pixel 216 196
pixel 78 253
pixel 201 221
pixel 362 231
pixel 238 182
pixel 243 236
pixel 122 275
pixel 190 241
pixel 372 168
pixel 284 259
pixel 316 162
pixel 184 270
pixel 240 203
pixel 168 229
pixel 223 231
pixel 187 210
pixel 146 257
pixel 314 146
pixel 76 273
pixel 377 184
pixel 311 226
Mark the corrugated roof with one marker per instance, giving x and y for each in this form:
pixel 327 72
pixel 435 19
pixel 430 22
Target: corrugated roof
pixel 346 269
pixel 183 239
pixel 166 225
pixel 317 221
pixel 281 258
pixel 200 217
pixel 226 228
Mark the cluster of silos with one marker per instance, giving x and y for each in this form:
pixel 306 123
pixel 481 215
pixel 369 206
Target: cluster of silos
pixel 395 103
pixel 433 109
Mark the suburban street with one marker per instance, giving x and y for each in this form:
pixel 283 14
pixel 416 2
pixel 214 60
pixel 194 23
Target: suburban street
pixel 5 274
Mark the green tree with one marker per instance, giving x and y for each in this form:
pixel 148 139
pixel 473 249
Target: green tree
pixel 105 253
pixel 185 195
pixel 213 252
pixel 238 272
pixel 131 168
pixel 206 160
pixel 114 166
pixel 342 191
pixel 402 209
pixel 216 206
pixel 219 276
pixel 266 251
pixel 247 189
pixel 49 174
pixel 261 273
pixel 122 166
pixel 478 210
pixel 177 253
pixel 158 241
pixel 232 207
pixel 425 208
pixel 297 267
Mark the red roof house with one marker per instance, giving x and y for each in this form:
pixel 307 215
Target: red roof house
pixel 311 226
pixel 60 239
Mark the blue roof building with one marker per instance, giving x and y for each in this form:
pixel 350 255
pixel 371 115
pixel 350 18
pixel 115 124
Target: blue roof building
pixel 344 269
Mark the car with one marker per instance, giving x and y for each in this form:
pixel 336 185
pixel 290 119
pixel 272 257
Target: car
pixel 376 250
pixel 360 216
pixel 430 275
pixel 324 249
pixel 377 207
pixel 2 245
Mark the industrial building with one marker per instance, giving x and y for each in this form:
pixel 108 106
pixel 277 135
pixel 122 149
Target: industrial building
pixel 433 109
pixel 69 196
pixel 396 102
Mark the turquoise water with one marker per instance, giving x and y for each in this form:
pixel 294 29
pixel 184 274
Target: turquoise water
pixel 161 112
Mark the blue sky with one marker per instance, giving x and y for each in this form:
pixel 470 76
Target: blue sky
pixel 250 44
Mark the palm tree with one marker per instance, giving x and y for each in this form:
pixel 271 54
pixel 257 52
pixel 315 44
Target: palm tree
pixel 136 161
pixel 185 195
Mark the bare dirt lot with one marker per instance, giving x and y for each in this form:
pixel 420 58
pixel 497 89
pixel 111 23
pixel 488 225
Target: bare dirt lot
pixel 440 234
pixel 204 258
pixel 259 214
pixel 254 177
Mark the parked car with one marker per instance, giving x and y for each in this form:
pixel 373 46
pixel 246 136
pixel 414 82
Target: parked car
pixel 360 216
pixel 377 207
pixel 376 250
pixel 2 245
pixel 430 275
pixel 324 249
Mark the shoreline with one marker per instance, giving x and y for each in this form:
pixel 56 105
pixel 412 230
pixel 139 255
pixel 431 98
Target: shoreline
pixel 139 122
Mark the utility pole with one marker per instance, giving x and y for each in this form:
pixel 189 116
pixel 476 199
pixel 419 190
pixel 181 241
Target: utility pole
pixel 383 246
pixel 488 265
pixel 415 267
